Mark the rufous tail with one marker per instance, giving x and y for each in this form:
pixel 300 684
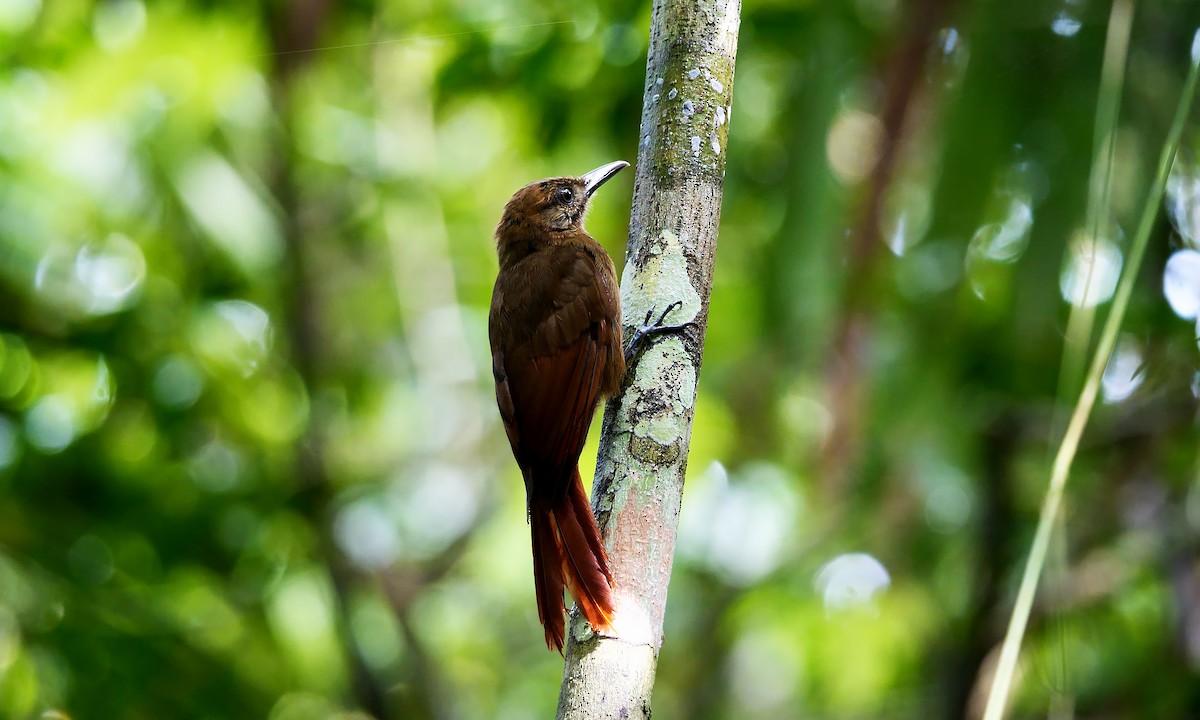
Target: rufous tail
pixel 568 553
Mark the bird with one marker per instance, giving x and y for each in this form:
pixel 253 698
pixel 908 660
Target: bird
pixel 555 332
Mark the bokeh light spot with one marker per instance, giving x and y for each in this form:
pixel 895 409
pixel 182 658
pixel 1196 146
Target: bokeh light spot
pixel 118 24
pixel 763 668
pixel 443 491
pixel 276 409
pixel 1091 272
pixel 16 366
pixel 109 274
pixel 739 529
pixel 216 466
pixel 90 560
pixel 97 155
pixel 852 146
pixel 301 615
pixel 233 336
pixel 1183 200
pixel 16 15
pixel 1121 375
pixel 50 423
pixel 367 534
pixel 1005 241
pixel 1065 25
pixel 929 269
pixel 947 507
pixel 907 217
pixel 950 57
pixel 376 633
pixel 1181 283
pixel 851 580
pixel 207 618
pixel 178 383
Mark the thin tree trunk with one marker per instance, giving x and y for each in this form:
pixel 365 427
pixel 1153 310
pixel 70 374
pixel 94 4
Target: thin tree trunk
pixel 646 430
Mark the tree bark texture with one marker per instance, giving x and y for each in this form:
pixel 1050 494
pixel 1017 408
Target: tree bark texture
pixel 686 111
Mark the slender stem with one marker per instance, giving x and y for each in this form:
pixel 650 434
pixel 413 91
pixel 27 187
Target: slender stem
pixel 1002 682
pixel 1082 316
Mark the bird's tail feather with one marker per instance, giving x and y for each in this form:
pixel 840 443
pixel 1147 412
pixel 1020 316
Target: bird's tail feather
pixel 568 553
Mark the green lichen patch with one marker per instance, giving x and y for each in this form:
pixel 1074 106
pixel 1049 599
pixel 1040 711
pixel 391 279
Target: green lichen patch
pixel 661 280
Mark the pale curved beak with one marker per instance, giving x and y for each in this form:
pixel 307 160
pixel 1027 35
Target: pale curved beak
pixel 601 175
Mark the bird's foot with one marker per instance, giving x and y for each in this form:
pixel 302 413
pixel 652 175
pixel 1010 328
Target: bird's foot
pixel 648 329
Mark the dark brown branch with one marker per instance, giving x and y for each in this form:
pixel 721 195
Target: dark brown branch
pixel 847 387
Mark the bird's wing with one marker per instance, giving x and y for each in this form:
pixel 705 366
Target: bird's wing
pixel 553 341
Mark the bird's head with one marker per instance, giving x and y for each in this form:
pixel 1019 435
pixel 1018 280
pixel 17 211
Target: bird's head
pixel 544 209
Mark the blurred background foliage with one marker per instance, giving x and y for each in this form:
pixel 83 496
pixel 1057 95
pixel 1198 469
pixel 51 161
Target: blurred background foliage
pixel 250 464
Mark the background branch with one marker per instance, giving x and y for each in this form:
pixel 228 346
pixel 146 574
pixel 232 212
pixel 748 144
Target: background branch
pixel 297 29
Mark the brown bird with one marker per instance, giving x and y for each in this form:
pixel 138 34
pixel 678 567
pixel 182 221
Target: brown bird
pixel 555 331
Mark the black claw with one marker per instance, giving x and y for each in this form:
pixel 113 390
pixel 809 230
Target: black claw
pixel 647 328
pixel 659 322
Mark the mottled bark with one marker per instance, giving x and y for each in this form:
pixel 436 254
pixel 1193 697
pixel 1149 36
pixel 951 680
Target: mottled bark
pixel 646 430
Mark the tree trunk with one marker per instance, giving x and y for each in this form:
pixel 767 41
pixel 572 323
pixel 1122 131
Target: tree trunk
pixel 646 430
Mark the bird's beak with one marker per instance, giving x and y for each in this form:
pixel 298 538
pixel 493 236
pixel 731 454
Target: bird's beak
pixel 600 175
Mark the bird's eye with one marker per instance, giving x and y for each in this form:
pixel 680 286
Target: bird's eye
pixel 563 195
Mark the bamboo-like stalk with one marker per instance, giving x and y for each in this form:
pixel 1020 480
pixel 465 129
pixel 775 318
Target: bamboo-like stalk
pixel 1002 681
